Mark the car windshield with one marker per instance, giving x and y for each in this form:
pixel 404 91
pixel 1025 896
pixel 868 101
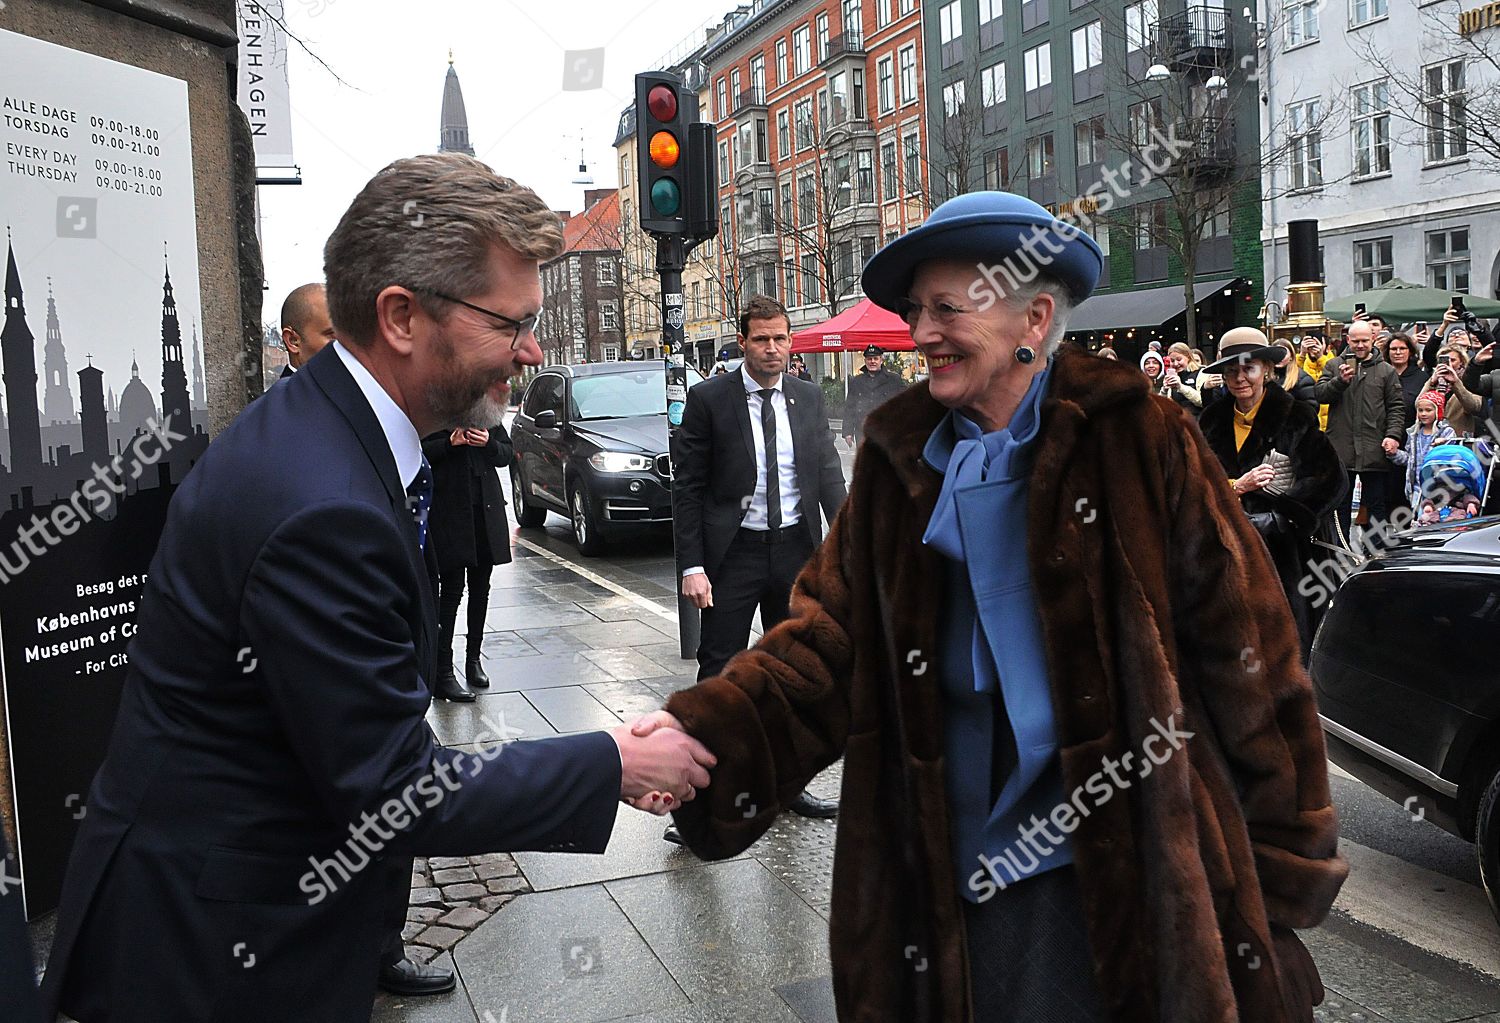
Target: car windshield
pixel 616 395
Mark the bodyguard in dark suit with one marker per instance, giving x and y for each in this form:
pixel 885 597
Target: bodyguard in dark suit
pixel 305 326
pixel 469 526
pixel 755 464
pixel 271 770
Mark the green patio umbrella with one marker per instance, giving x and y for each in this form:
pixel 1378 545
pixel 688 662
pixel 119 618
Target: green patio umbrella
pixel 1401 301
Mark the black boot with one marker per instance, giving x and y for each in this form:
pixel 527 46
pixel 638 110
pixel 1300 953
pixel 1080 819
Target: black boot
pixel 448 687
pixel 474 673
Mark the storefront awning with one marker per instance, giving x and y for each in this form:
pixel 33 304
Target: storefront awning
pixel 1148 308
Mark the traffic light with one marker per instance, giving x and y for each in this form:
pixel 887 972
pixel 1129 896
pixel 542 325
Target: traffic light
pixel 662 109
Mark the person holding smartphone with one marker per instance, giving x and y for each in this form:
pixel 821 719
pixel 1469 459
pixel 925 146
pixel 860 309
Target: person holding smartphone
pixel 471 536
pixel 1366 418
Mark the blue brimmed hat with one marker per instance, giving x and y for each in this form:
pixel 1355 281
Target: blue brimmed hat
pixel 990 228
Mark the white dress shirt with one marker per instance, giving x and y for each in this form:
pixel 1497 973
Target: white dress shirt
pixel 406 446
pixel 757 515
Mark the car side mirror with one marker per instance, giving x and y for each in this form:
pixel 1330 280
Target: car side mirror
pixel 546 420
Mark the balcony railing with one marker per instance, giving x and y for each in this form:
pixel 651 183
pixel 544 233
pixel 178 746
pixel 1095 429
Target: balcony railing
pixel 1211 147
pixel 847 44
pixel 749 98
pixel 1199 35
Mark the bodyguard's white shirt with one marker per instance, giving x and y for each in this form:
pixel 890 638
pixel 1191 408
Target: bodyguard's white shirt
pixel 786 464
pixel 406 446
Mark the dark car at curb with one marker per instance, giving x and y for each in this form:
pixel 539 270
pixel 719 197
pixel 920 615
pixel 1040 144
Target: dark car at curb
pixel 1406 665
pixel 591 444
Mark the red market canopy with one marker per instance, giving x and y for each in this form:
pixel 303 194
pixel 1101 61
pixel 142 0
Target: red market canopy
pixel 851 330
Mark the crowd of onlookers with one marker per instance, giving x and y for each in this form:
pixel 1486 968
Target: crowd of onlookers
pixel 1395 392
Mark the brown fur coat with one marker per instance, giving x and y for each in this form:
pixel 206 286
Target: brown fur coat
pixel 1156 599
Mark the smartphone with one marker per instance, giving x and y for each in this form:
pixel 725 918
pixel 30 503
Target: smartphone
pixel 1421 325
pixel 1458 304
pixel 1359 307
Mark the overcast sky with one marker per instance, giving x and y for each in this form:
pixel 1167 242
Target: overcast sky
pixel 393 55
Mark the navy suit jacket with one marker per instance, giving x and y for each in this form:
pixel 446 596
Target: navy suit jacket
pixel 274 704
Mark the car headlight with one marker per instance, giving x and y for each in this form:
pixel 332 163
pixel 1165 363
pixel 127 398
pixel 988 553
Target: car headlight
pixel 619 461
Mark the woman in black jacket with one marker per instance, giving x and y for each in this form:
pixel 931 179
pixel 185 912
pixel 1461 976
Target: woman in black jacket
pixel 470 534
pixel 1279 464
pixel 1292 379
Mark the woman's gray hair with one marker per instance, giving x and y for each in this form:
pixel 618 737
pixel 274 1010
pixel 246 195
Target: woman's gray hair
pixel 1062 308
pixel 428 223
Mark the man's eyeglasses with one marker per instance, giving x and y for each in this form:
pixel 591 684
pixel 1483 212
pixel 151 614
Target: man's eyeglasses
pixel 519 328
pixel 943 312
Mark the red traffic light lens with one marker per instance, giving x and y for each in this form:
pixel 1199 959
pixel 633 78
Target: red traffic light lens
pixel 662 102
pixel 665 149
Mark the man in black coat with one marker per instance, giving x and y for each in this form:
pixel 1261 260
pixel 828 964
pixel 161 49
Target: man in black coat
pixel 271 773
pixel 740 542
pixel 469 527
pixel 870 388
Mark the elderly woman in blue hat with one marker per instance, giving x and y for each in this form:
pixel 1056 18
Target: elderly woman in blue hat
pixel 1084 777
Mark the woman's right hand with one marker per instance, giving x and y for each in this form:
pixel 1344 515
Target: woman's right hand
pixel 458 438
pixel 1255 479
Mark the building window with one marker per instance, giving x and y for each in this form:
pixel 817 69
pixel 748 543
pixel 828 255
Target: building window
pixel 611 353
pixel 1145 123
pixel 864 176
pixel 839 90
pixel 854 19
pixel 885 85
pixel 1215 223
pixel 807 201
pixel 907 6
pixel 781 65
pixel 1040 162
pixel 758 77
pixel 609 315
pixel 767 212
pixel 801 55
pixel 762 147
pixel 1373 265
pixel 997 170
pixel 723 102
pixel 859 111
pixel 912 153
pixel 726 224
pixel 823 121
pixel 841 184
pixel 812 283
pixel 802 115
pixel 951 32
pixel 1306 137
pixel 1150 225
pixel 1088 142
pixel 822 37
pixel 1446 101
pixel 783 135
pixel 723 160
pixel 1140 25
pixel 1088 46
pixel 1361 11
pixel 908 59
pixel 1370 125
pixel 604 271
pixel 882 13
pixel 1448 260
pixel 1302 21
pixel 734 89
pixel 1038 62
pixel 888 169
pixel 953 98
pixel 992 85
pixel 786 205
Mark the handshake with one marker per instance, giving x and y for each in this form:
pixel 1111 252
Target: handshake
pixel 662 766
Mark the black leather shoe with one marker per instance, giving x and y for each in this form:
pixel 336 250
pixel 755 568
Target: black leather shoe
pixel 674 836
pixel 474 674
pixel 807 805
pixel 409 978
pixel 448 688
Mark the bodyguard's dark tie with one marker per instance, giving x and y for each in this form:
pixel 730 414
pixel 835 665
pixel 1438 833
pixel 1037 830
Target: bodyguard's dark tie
pixel 773 468
pixel 419 498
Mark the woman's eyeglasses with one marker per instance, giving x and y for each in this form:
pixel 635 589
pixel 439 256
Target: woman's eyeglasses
pixel 518 328
pixel 944 313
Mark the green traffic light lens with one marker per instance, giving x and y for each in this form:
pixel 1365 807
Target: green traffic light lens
pixel 666 197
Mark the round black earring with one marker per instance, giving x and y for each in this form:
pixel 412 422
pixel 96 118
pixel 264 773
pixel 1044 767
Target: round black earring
pixel 1025 355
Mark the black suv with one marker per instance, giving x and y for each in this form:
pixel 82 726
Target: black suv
pixel 591 444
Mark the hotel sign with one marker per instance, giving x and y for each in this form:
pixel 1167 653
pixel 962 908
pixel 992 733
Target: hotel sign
pixel 1487 16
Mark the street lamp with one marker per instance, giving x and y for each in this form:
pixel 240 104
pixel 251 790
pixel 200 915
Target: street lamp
pixel 1218 85
pixel 1157 73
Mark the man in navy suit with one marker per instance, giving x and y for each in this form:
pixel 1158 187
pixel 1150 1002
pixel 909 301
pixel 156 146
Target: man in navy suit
pixel 271 773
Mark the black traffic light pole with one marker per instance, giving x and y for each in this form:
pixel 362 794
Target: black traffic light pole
pixel 671 258
pixel 680 216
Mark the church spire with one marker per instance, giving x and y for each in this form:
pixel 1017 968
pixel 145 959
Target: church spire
pixel 174 390
pixel 454 136
pixel 57 400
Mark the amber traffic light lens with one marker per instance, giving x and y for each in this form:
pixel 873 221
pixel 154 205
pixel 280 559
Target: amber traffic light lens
pixel 665 149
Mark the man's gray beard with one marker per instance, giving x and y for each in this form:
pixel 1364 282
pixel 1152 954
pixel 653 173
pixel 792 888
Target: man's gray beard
pixel 459 410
